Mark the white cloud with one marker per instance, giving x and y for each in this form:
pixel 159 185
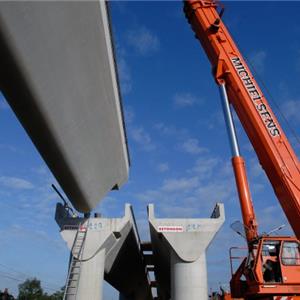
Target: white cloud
pixel 215 120
pixel 226 168
pixel 204 167
pixel 256 169
pixel 197 188
pixel 267 221
pixel 256 188
pixel 124 76
pixel 215 191
pixel 15 183
pixel 18 232
pixel 164 129
pixel 291 110
pixel 140 136
pixel 9 148
pixel 163 167
pixel 137 133
pixel 192 146
pixel 247 146
pixel 185 100
pixel 42 170
pixel 180 184
pixel 129 115
pixel 143 41
pixel 258 60
pixel 149 196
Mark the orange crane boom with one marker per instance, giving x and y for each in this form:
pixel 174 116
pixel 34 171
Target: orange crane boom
pixel 267 137
pixel 272 266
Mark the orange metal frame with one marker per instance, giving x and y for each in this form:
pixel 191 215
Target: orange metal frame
pixel 267 137
pixel 253 286
pixel 233 257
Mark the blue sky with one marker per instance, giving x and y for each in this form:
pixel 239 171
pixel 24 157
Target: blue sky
pixel 180 158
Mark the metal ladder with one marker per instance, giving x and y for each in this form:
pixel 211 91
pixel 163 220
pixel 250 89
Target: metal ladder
pixel 75 264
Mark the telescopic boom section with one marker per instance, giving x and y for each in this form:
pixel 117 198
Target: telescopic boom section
pixel 267 137
pixel 240 174
pixel 248 214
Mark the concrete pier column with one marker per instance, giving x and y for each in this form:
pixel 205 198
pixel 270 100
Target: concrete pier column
pixel 188 278
pixel 91 277
pixel 179 249
pixel 111 251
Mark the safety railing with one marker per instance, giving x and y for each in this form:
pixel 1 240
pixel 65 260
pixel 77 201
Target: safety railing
pixel 236 255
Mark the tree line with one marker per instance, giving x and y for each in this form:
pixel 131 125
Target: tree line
pixel 31 289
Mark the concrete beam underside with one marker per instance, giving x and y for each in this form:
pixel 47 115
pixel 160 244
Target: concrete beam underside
pixel 59 76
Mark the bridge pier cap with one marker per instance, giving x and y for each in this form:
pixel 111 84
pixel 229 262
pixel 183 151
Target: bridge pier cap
pixel 180 247
pixel 111 251
pixel 188 237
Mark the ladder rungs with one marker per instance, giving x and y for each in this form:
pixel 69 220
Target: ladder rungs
pixel 75 266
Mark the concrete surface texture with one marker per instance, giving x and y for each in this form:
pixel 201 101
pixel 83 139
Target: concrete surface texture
pixel 179 250
pixel 111 251
pixel 59 76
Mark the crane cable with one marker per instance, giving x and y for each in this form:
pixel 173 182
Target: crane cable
pixel 54 286
pixel 10 276
pixel 272 99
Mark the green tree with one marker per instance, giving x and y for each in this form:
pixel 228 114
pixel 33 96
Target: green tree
pixel 31 289
pixel 59 295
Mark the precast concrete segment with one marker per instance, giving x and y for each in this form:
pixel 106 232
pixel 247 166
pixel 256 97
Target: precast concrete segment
pixel 59 76
pixel 179 249
pixel 111 252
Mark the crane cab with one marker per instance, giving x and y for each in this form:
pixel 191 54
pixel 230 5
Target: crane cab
pixel 271 268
